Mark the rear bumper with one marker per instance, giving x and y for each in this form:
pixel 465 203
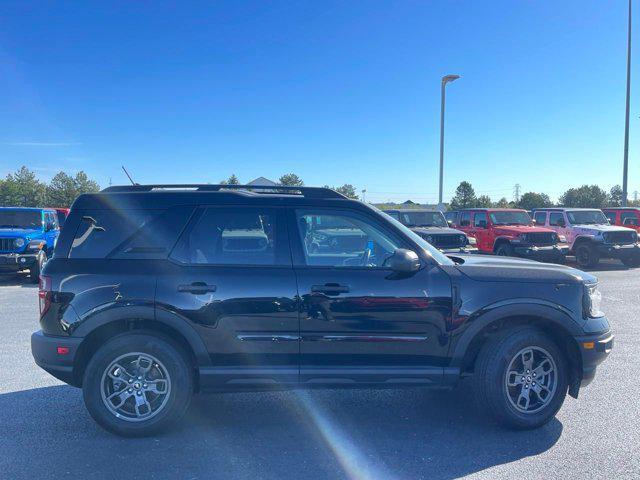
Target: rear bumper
pixel 552 252
pixel 13 262
pixel 619 251
pixel 44 349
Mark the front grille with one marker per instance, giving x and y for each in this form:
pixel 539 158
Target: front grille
pixel 620 238
pixel 7 244
pixel 449 240
pixel 541 238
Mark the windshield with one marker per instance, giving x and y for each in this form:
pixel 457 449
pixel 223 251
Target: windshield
pixel 587 217
pixel 510 218
pixel 423 219
pixel 436 254
pixel 20 219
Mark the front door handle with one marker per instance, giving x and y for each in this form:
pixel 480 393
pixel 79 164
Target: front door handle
pixel 330 289
pixel 197 288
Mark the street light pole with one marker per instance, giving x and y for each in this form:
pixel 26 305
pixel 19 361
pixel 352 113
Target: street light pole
pixel 446 79
pixel 626 118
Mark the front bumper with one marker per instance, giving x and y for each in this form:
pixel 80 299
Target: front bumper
pixel 594 349
pixel 457 250
pixel 550 252
pixel 13 262
pixel 59 363
pixel 618 251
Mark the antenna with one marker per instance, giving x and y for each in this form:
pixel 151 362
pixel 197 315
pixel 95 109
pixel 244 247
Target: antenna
pixel 128 176
pixel 516 192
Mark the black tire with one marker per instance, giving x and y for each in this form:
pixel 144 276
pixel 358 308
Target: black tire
pixel 560 259
pixel 504 250
pixel 34 272
pixel 490 378
pixel 175 365
pixel 586 255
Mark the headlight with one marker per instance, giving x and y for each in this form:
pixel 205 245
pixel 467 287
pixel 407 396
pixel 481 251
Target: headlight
pixel 19 242
pixel 471 240
pixel 592 301
pixel 562 239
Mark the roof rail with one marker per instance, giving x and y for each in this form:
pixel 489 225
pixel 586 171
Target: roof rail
pixel 309 192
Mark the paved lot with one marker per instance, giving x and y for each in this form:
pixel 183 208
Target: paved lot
pixel 45 431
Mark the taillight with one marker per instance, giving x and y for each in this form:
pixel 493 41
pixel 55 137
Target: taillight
pixel 44 294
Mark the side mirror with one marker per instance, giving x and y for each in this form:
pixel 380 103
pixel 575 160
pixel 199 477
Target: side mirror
pixel 450 223
pixel 561 223
pixel 482 224
pixel 404 261
pixel 533 221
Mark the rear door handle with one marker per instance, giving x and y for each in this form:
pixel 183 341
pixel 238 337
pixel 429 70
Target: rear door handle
pixel 330 289
pixel 197 288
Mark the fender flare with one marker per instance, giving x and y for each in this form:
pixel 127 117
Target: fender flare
pixel 500 239
pixel 492 314
pixel 116 312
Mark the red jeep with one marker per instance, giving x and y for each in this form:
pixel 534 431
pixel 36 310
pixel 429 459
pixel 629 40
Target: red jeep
pixel 510 232
pixel 624 216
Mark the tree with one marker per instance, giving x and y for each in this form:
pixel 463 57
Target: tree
pixel 615 196
pixel 347 190
pixel 483 201
pixel 465 197
pixel 22 189
pixel 531 200
pixel 232 180
pixel 64 189
pixel 586 196
pixel 291 179
pixel 502 203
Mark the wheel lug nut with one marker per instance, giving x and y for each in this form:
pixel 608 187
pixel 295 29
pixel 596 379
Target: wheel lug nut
pixel 139 393
pixel 144 385
pixel 130 390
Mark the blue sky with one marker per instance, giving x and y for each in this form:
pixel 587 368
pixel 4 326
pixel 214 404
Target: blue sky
pixel 337 92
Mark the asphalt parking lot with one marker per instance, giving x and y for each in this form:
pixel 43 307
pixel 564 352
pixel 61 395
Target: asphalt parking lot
pixel 45 431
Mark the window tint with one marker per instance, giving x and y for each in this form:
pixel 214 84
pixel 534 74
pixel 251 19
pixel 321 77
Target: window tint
pixel 450 216
pixel 540 218
pixel 341 239
pixel 465 219
pixel 234 236
pixel 555 219
pixel 480 219
pixel 612 216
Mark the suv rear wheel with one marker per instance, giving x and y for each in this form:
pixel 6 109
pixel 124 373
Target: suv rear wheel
pixel 587 255
pixel 34 272
pixel 137 384
pixel 521 378
pixel 504 250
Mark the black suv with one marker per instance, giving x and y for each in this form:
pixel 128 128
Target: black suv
pixel 156 292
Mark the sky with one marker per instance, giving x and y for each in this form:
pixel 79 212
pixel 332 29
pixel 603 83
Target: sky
pixel 334 91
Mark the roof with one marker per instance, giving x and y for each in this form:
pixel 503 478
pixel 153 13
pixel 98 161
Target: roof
pixel 491 210
pixel 407 210
pixel 165 196
pixel 620 208
pixel 563 209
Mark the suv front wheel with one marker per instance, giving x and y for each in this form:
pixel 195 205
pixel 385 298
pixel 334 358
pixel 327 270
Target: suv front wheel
pixel 137 384
pixel 521 378
pixel 587 255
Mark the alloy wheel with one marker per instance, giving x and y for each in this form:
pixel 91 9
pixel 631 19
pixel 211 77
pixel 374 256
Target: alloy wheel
pixel 135 387
pixel 531 380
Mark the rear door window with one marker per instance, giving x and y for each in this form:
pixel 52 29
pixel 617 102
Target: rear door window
pixel 540 218
pixel 627 218
pixel 465 219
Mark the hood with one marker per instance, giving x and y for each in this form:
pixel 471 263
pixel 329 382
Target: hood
pixel 518 229
pixel 498 269
pixel 17 232
pixel 598 228
pixel 437 231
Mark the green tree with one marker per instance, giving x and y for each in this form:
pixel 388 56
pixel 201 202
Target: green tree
pixel 483 201
pixel 531 200
pixel 465 197
pixel 615 196
pixel 586 196
pixel 291 179
pixel 232 180
pixel 64 189
pixel 347 190
pixel 22 189
pixel 502 203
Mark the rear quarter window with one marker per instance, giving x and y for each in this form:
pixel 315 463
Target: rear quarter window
pixel 128 234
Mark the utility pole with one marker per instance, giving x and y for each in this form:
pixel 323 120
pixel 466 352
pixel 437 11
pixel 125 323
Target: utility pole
pixel 516 192
pixel 364 192
pixel 446 79
pixel 635 196
pixel 626 118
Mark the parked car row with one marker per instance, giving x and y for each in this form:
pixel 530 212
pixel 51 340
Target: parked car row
pixel 551 235
pixel 27 238
pixel 157 292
